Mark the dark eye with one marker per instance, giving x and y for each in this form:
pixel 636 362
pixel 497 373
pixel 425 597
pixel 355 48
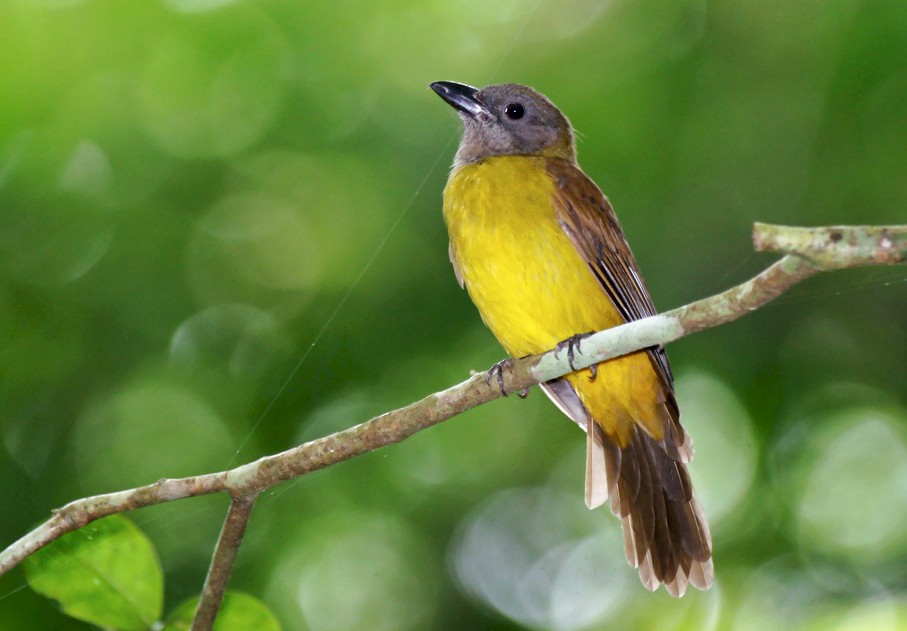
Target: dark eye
pixel 514 111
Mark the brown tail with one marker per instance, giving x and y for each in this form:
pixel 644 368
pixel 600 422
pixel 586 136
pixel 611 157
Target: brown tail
pixel 665 532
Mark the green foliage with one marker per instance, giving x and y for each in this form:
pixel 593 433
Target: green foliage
pixel 239 612
pixel 106 573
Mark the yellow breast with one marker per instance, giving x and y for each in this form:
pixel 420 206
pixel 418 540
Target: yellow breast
pixel 519 267
pixel 534 290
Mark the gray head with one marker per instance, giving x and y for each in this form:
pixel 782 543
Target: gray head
pixel 507 119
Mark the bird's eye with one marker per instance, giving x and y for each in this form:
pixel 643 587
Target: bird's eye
pixel 514 111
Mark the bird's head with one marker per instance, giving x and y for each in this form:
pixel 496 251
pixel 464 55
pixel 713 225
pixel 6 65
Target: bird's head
pixel 507 119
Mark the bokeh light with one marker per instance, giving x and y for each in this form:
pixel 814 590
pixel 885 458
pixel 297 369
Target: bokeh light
pixel 197 6
pixel 531 555
pixel 68 227
pixel 856 458
pixel 187 435
pixel 242 340
pixel 354 570
pixel 726 447
pixel 263 240
pixel 772 598
pixel 878 614
pixel 216 88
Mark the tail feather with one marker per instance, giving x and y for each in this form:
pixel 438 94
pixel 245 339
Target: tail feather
pixel 665 532
pixel 660 544
pixel 666 536
pixel 596 467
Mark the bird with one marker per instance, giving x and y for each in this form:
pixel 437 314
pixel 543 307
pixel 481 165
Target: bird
pixel 543 257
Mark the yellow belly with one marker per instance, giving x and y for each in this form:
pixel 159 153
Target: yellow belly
pixel 533 289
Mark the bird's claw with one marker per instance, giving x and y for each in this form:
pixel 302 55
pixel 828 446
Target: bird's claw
pixel 573 345
pixel 497 371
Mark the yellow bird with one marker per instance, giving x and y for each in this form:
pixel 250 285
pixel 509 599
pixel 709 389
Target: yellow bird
pixel 543 257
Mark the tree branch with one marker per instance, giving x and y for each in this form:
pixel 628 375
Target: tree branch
pixel 835 247
pixel 807 251
pixel 222 562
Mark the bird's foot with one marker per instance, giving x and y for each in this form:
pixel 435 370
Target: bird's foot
pixel 573 344
pixel 497 372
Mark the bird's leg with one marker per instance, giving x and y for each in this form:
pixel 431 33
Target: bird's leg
pixel 497 371
pixel 573 345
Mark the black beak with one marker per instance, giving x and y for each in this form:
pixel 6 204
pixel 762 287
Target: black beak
pixel 460 96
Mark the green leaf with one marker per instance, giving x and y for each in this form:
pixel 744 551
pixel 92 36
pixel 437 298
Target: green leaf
pixel 239 612
pixel 106 573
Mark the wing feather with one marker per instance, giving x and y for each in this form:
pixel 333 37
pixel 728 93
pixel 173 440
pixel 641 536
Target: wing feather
pixel 588 219
pixel 665 533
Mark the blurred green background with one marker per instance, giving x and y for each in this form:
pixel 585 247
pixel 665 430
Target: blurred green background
pixel 220 235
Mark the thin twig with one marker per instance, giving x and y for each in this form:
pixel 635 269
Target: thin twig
pixel 223 560
pixel 808 251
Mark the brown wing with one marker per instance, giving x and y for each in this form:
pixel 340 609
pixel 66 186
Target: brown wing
pixel 665 532
pixel 588 219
